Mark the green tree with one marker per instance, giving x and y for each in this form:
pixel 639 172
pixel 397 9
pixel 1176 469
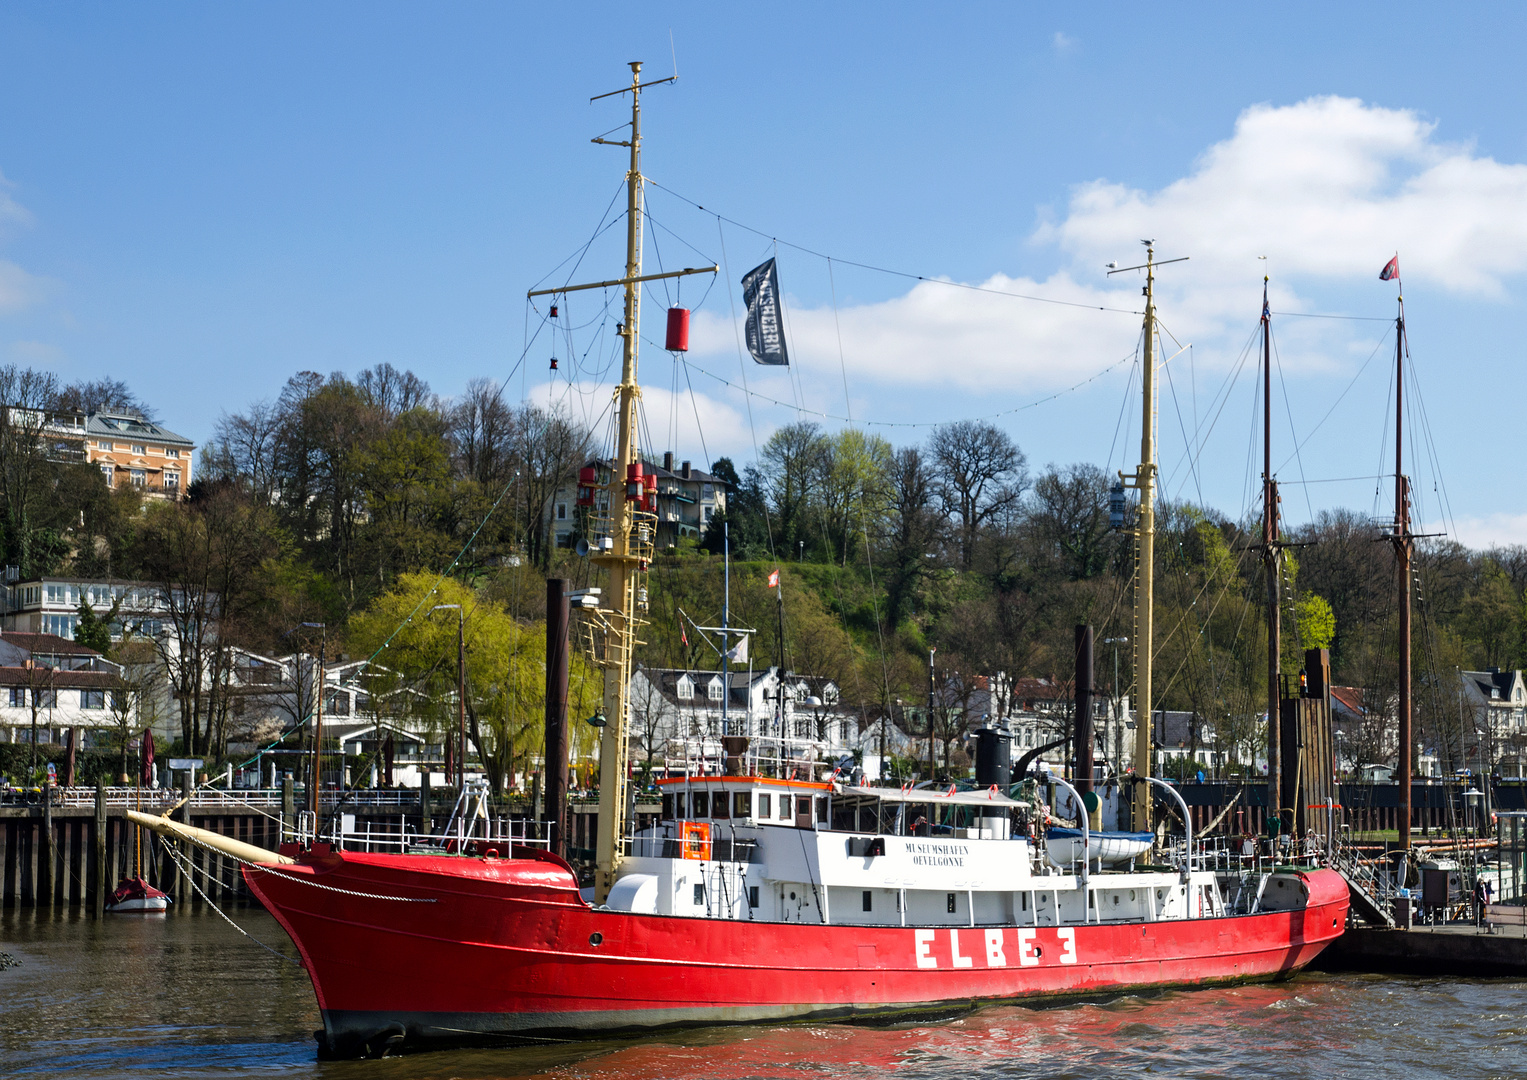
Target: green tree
pixel 505 670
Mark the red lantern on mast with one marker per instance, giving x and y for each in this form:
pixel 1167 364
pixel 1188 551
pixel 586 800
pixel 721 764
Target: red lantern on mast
pixel 678 330
pixel 587 477
pixel 634 482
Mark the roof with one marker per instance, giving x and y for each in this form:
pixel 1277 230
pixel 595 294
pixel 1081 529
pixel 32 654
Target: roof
pixel 48 644
pixel 58 678
pixel 657 470
pixel 1348 699
pixel 132 427
pixel 1494 679
pixel 1174 728
pixel 934 795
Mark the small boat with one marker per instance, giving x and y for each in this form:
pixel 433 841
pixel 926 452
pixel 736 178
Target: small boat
pixel 137 895
pixel 1110 848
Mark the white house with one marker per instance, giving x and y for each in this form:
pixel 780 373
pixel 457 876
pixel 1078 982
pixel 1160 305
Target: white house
pixel 59 684
pixel 678 719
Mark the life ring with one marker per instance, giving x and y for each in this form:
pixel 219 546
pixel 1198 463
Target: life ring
pixel 694 839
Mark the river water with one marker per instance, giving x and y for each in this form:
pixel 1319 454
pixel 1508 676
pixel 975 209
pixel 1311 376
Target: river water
pixel 173 997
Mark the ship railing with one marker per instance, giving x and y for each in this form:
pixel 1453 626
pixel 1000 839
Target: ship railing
pixel 721 845
pixel 347 833
pixel 212 798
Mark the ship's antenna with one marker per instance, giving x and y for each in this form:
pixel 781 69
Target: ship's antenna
pixel 624 528
pixel 1143 480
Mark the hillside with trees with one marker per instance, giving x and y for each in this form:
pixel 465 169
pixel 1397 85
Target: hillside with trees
pixel 322 503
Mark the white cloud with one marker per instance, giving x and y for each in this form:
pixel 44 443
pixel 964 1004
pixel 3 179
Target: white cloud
pixel 704 424
pixel 1327 188
pixel 1062 42
pixel 18 289
pixel 35 353
pixel 1492 530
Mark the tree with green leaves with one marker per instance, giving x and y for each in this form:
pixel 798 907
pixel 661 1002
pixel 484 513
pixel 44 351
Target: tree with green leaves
pixel 414 647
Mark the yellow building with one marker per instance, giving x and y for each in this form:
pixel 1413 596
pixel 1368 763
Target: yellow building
pixel 131 450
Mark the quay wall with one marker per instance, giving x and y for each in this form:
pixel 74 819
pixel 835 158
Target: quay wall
pixel 59 856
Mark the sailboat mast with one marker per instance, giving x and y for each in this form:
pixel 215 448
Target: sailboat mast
pixel 1271 560
pixel 1403 548
pixel 1145 533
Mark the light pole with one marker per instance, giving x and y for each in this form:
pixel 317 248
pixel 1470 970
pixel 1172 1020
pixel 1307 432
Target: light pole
pixel 461 692
pixel 1118 719
pixel 320 681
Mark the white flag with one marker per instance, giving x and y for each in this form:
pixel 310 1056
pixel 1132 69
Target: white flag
pixel 738 653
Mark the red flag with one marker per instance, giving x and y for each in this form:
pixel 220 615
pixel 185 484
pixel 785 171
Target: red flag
pixel 683 635
pixel 1391 269
pixel 774 580
pixel 147 773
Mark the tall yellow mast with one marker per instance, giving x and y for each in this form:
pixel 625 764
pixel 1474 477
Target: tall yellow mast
pixel 1143 479
pixel 623 531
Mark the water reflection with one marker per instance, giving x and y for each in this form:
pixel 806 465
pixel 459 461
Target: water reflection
pixel 188 996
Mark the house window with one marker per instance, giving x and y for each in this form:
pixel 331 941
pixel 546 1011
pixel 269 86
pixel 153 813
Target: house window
pixel 139 449
pixel 139 478
pixel 714 690
pixel 172 481
pixel 685 690
pixel 92 699
pixel 45 699
pixel 562 511
pixel 339 705
pixel 102 444
pixel 707 492
pixel 18 697
pixel 171 451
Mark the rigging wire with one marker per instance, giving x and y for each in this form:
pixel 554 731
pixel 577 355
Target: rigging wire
pixel 895 273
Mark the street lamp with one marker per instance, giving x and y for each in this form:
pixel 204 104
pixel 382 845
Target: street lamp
pixel 313 793
pixel 461 691
pixel 1118 719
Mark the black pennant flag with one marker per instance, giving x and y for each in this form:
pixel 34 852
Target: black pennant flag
pixel 765 328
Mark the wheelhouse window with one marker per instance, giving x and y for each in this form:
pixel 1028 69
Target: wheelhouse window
pixel 699 804
pixel 720 806
pixel 764 808
pixel 742 804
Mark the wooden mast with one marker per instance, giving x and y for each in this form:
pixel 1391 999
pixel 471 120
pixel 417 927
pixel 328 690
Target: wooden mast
pixel 1271 560
pixel 624 531
pixel 1404 548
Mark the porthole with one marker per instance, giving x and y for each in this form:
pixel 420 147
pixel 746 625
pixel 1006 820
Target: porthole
pixel 792 896
pixel 596 938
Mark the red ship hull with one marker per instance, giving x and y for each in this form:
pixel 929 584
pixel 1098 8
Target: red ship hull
pixel 414 951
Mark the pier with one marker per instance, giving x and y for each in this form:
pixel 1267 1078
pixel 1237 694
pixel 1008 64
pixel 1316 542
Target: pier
pixel 57 853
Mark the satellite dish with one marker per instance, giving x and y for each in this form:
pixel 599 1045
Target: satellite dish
pixel 582 548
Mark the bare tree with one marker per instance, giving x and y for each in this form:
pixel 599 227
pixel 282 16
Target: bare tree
pixel 26 400
pixel 909 530
pixel 104 395
pixel 791 466
pixel 245 446
pixel 981 474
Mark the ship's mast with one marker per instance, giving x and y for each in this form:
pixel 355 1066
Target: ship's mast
pixel 1404 547
pixel 1271 560
pixel 1145 534
pixel 1143 480
pixel 625 538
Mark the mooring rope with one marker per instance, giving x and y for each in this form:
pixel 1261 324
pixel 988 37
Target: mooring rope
pixel 188 868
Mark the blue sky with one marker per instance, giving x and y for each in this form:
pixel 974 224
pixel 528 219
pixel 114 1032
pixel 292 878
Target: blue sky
pixel 204 199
